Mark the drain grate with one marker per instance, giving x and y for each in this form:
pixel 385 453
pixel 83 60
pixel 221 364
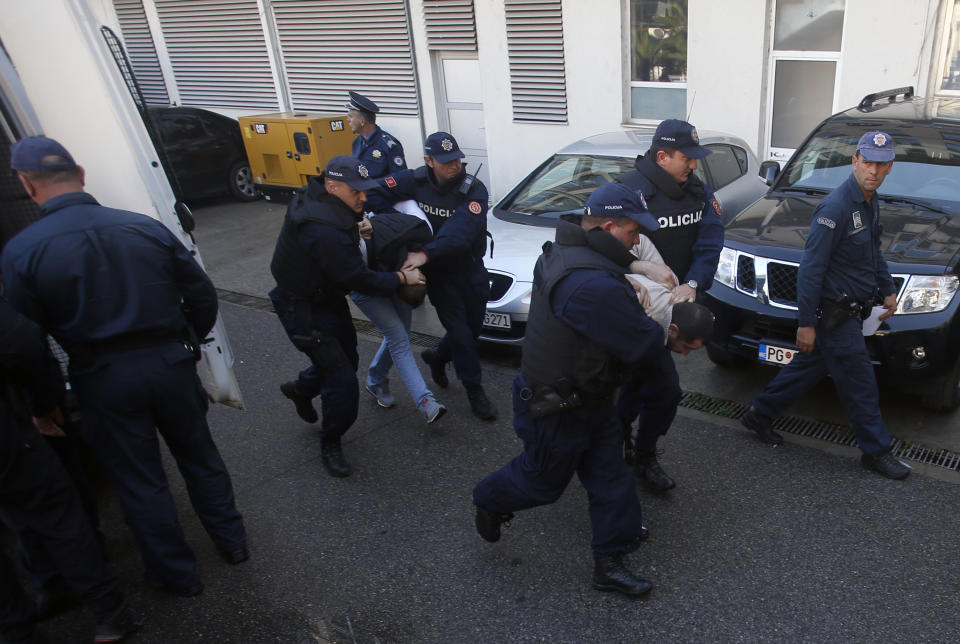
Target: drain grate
pixel 820 430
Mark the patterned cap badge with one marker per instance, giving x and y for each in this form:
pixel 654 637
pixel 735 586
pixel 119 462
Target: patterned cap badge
pixel 376 154
pixel 362 169
pixel 879 139
pixel 694 135
pixel 447 145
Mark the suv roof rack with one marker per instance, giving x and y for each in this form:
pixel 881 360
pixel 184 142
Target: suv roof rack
pixel 890 94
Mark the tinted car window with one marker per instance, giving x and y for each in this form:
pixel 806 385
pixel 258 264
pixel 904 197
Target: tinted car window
pixel 563 183
pixel 180 129
pixel 219 127
pixel 927 165
pixel 724 165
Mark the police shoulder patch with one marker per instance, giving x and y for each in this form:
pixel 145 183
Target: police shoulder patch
pixel 829 223
pixel 475 207
pixel 398 161
pixel 716 207
pixel 391 182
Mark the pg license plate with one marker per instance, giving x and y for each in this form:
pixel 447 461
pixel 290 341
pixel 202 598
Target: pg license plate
pixel 774 354
pixel 496 320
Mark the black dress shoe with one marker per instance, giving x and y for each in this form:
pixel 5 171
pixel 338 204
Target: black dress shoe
pixel 438 368
pixel 628 455
pixel 887 465
pixel 648 470
pixel 331 455
pixel 609 573
pixel 480 405
pixel 488 523
pixel 303 404
pixel 119 624
pixel 762 425
pixel 235 556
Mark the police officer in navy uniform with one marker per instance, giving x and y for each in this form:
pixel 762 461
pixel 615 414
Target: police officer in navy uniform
pixel 376 149
pixel 842 275
pixel 689 239
pixel 317 261
pixel 37 494
pixel 585 333
pixel 457 281
pixel 123 297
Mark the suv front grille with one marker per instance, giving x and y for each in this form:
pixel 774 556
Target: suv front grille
pixel 782 283
pixel 499 285
pixel 746 277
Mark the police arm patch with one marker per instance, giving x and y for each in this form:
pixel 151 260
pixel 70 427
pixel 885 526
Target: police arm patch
pixel 716 207
pixel 391 182
pixel 829 223
pixel 475 207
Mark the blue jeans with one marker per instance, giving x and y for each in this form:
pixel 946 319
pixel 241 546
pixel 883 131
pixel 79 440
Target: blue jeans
pixel 392 316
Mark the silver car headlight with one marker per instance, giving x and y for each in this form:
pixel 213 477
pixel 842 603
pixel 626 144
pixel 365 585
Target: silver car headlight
pixel 927 293
pixel 727 268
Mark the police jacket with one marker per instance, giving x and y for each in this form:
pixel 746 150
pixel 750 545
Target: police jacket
pixel 87 273
pixel 380 153
pixel 317 256
pixel 457 210
pixel 30 385
pixel 586 324
pixel 690 237
pixel 842 254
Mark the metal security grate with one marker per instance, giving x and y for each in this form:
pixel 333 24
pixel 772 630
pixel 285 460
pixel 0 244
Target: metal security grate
pixel 829 432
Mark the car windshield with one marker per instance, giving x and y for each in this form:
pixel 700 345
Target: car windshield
pixel 926 168
pixel 563 183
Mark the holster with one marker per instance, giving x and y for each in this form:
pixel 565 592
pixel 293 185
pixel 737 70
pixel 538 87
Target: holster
pixel 833 313
pixel 547 400
pixel 324 350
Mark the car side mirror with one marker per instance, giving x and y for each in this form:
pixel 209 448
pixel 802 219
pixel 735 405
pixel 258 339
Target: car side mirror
pixel 769 171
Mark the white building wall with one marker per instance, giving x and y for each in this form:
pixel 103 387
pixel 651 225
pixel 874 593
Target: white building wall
pixel 726 63
pixel 594 69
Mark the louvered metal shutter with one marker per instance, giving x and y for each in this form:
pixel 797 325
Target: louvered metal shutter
pixel 330 47
pixel 535 49
pixel 138 42
pixel 450 25
pixel 218 53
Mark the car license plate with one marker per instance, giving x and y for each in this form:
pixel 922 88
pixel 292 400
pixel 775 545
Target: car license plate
pixel 496 320
pixel 777 355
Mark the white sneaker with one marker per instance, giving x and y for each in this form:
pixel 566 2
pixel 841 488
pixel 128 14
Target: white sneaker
pixel 382 393
pixel 431 409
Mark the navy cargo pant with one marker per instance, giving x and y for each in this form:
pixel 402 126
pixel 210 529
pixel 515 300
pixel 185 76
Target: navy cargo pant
pixel 338 388
pixel 651 395
pixel 842 353
pixel 586 442
pixel 38 495
pixel 460 299
pixel 126 398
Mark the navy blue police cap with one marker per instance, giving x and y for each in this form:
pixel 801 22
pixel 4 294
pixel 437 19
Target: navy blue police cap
pixel 876 146
pixel 442 147
pixel 349 170
pixel 617 200
pixel 361 103
pixel 28 154
pixel 675 134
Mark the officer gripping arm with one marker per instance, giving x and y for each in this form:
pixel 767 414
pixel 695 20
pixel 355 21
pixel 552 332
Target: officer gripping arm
pixel 709 243
pixel 25 355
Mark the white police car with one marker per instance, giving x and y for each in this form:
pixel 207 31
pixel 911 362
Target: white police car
pixel 523 220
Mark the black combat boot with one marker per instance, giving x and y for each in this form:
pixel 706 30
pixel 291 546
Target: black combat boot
pixel 303 404
pixel 118 624
pixel 887 465
pixel 331 454
pixel 609 573
pixel 480 405
pixel 438 368
pixel 488 523
pixel 762 425
pixel 648 470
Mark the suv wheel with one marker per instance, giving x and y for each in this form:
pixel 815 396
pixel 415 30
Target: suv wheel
pixel 944 394
pixel 240 181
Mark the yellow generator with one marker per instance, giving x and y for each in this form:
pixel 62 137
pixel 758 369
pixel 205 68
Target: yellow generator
pixel 285 149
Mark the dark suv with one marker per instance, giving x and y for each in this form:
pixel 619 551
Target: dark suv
pixel 754 294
